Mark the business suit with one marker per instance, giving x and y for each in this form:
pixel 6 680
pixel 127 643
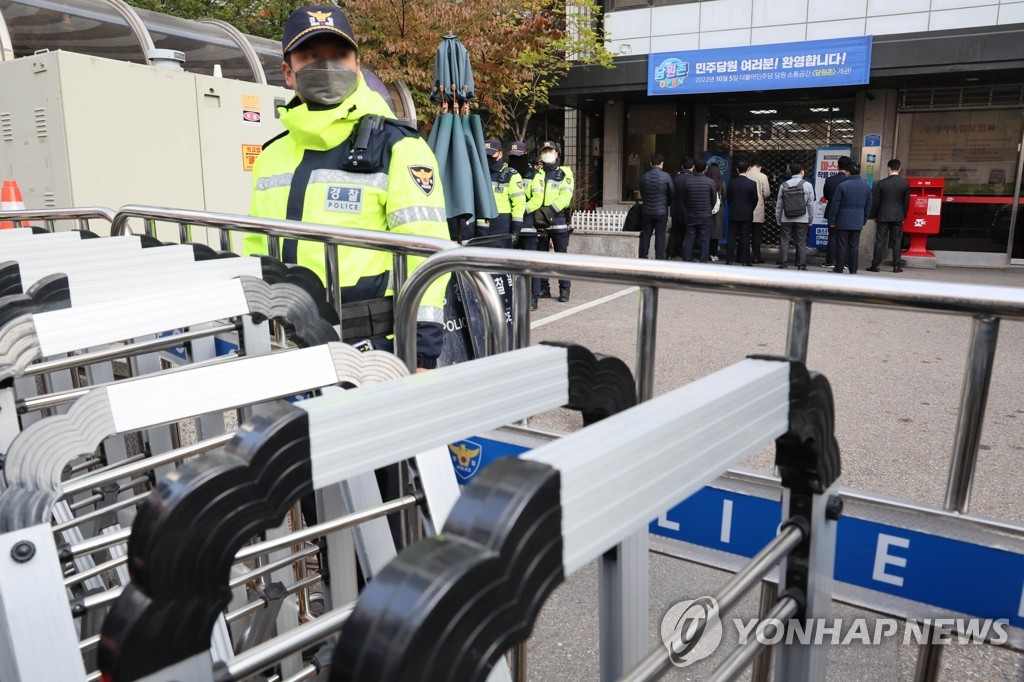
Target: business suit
pixel 828 191
pixel 848 211
pixel 890 200
pixel 678 228
pixel 742 194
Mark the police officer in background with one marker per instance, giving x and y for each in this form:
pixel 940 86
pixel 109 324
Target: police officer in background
pixel 509 195
pixel 344 160
pixel 550 196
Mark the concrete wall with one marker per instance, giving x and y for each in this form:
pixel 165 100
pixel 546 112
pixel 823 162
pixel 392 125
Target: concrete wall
pixel 617 244
pixel 728 23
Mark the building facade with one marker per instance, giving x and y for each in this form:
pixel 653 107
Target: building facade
pixel 943 91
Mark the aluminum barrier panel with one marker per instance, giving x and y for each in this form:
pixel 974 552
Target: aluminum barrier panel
pixel 901 547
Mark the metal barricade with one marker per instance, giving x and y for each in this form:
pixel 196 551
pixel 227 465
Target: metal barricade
pixel 987 305
pixel 50 215
pixel 398 244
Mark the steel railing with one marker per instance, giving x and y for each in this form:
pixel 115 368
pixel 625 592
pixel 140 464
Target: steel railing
pixel 49 216
pixel 985 304
pixel 400 245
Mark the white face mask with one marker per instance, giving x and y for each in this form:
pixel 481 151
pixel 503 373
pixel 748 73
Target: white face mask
pixel 549 157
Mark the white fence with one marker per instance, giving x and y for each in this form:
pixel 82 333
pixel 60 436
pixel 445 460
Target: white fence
pixel 610 221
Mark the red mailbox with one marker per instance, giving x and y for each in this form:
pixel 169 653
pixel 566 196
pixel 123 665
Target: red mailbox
pixel 924 214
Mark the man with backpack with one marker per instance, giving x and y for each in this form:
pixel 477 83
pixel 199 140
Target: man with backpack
pixel 794 209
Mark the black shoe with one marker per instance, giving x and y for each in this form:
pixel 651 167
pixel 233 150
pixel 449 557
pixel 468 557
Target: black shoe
pixel 801 267
pixel 873 269
pixel 782 266
pixel 533 303
pixel 749 265
pixel 545 293
pixel 563 296
pixel 897 269
pixel 757 261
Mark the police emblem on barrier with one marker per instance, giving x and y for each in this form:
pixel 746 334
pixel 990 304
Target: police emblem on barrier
pixel 424 177
pixel 465 458
pixel 320 19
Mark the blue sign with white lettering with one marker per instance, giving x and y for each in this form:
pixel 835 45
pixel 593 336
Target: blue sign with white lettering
pixel 930 569
pixel 781 66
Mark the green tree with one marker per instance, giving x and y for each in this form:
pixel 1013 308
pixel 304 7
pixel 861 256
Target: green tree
pixel 519 50
pixel 542 40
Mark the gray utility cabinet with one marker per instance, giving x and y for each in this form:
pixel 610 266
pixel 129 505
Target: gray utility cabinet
pixel 77 130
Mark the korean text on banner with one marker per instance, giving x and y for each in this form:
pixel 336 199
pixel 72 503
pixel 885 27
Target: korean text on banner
pixel 826 164
pixel 781 66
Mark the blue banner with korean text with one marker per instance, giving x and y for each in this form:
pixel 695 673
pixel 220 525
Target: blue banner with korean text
pixel 781 66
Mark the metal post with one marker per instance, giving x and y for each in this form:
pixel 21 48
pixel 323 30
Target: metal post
pixel 799 330
pixel 521 296
pixel 333 286
pixel 797 341
pixel 184 233
pixel 762 669
pixel 973 399
pixel 518 662
pixel 646 340
pixel 399 273
pixel 622 572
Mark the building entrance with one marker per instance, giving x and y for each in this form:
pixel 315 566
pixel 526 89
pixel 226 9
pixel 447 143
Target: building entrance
pixel 779 134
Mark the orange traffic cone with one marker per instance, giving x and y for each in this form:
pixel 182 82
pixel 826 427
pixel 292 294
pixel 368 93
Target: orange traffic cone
pixel 10 200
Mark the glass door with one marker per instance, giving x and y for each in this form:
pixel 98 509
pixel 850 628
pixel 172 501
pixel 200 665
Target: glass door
pixel 1016 229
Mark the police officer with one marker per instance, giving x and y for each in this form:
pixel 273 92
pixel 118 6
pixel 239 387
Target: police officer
pixel 509 194
pixel 344 160
pixel 550 195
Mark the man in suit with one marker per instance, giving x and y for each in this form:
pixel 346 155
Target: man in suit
pixel 675 233
pixel 699 196
pixel 755 174
pixel 742 194
pixel 848 211
pixel 656 192
pixel 890 200
pixel 828 191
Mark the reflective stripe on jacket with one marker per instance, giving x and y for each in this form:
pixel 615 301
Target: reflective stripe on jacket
pixel 300 177
pixel 554 191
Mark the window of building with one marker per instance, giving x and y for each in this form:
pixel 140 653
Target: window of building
pixel 975 152
pixel 650 128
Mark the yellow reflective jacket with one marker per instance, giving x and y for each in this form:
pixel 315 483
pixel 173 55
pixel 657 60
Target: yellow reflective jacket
pixel 306 174
pixel 510 197
pixel 552 187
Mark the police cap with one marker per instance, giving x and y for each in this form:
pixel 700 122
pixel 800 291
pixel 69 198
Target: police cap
pixel 551 144
pixel 314 20
pixel 518 148
pixel 492 146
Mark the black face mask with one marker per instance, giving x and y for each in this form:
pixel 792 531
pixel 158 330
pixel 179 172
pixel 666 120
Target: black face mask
pixel 496 164
pixel 518 162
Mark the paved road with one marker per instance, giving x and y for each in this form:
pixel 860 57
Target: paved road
pixel 896 378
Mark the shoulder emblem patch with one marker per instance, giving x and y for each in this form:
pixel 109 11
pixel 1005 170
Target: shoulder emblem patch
pixel 424 178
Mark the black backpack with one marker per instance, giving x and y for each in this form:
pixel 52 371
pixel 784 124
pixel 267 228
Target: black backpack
pixel 794 203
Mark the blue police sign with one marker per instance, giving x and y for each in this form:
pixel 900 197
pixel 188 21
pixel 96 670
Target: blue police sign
pixel 781 66
pixel 898 561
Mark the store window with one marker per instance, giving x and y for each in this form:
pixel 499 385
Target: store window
pixel 975 152
pixel 650 128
